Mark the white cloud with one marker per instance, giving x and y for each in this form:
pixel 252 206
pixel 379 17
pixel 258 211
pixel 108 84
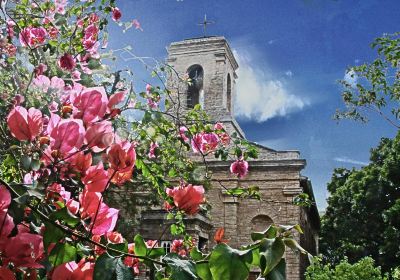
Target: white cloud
pixel 351 78
pixel 260 97
pixel 351 161
pixel 289 73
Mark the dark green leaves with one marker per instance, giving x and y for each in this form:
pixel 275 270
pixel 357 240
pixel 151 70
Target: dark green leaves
pixel 180 269
pixel 228 263
pixel 62 253
pixel 271 253
pixel 140 246
pixel 64 215
pixel 109 268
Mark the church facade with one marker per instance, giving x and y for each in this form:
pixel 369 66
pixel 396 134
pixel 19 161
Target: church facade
pixel 211 65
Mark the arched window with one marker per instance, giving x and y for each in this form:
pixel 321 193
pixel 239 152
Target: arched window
pixel 260 223
pixel 196 87
pixel 228 93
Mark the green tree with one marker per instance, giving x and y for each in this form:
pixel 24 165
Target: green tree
pixel 362 217
pixel 362 270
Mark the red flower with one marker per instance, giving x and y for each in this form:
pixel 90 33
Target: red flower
pixel 32 36
pixel 122 156
pixel 25 124
pixel 219 235
pixel 80 162
pixel 24 250
pixel 240 168
pixel 67 62
pixel 187 198
pixel 204 142
pixel 116 14
pixel 71 271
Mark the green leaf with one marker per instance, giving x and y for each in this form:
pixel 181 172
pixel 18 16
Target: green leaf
pixel 123 247
pixel 26 162
pixel 62 253
pixel 156 252
pixel 140 246
pixel 270 232
pixel 104 268
pixel 64 215
pixel 292 244
pixel 203 271
pixel 195 254
pixel 279 272
pixel 52 234
pixel 228 263
pixel 35 164
pixel 122 271
pixel 181 269
pixel 271 253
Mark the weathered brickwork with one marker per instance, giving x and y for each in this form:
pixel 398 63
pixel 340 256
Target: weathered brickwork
pixel 276 173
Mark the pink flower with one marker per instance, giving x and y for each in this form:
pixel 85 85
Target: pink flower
pixel 115 99
pixel 99 136
pixel 131 261
pixel 80 162
pixel 151 243
pixel 178 247
pixel 67 62
pixel 136 24
pixel 90 104
pixel 24 250
pixel 23 124
pixel 44 83
pixel 204 142
pixel 7 225
pixel 10 28
pixel 6 274
pixel 66 137
pixel 153 148
pixel 5 198
pixel 73 206
pixel 240 168
pixel 73 271
pixel 32 36
pixel 224 138
pixel 115 237
pixel 182 133
pixel 60 6
pixel 105 221
pixel 219 126
pixel 148 88
pixel 96 178
pixel 90 36
pixel 89 203
pixel 116 14
pixel 122 156
pixel 187 198
pixel 58 189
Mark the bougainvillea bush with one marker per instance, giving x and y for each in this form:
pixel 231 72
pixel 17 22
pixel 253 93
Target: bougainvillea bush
pixel 67 139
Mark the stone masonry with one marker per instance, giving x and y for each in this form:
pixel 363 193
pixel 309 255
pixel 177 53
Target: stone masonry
pixel 276 173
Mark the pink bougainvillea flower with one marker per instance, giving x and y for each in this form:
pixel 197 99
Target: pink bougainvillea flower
pixel 74 271
pixel 53 32
pixel 136 24
pixel 115 99
pixel 58 189
pixel 80 162
pixel 66 137
pixel 40 69
pixel 90 36
pixel 182 133
pixel 10 28
pixel 187 197
pixel 73 206
pixel 116 14
pixel 131 261
pixel 178 247
pixel 105 220
pixel 224 138
pixel 122 156
pixel 120 177
pixel 5 198
pixel 219 126
pixel 89 201
pixel 99 136
pixel 44 83
pixel 67 62
pixel 115 237
pixel 7 225
pixel 32 36
pixel 24 250
pixel 152 151
pixel 90 104
pixel 60 6
pixel 97 249
pixel 6 273
pixel 204 142
pixel 25 124
pixel 96 178
pixel 240 168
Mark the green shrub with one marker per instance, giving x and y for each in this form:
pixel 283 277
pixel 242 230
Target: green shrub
pixel 361 270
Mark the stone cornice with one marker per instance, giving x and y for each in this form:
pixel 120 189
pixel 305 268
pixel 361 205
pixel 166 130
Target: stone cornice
pixel 296 164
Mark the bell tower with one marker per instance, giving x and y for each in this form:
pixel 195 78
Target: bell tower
pixel 211 67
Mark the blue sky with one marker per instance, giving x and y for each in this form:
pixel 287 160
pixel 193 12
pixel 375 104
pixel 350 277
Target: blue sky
pixel 291 54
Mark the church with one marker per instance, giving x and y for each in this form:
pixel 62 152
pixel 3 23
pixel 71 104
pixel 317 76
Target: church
pixel 211 65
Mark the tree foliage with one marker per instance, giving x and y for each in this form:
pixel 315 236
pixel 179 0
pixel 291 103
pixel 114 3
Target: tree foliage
pixel 374 87
pixel 362 217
